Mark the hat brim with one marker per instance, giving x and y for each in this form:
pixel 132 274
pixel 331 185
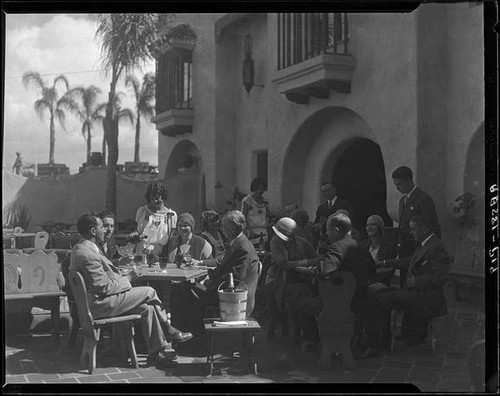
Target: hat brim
pixel 280 234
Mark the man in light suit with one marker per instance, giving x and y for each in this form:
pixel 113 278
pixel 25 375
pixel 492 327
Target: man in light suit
pixel 241 259
pixel 414 201
pixel 111 294
pixel 422 293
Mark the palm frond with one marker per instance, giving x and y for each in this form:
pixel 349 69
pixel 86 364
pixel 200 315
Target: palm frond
pixel 33 78
pixel 126 114
pixel 40 106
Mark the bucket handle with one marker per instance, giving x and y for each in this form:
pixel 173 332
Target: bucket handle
pixel 240 282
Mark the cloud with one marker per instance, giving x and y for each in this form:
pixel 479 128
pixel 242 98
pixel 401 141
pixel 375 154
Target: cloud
pixel 52 45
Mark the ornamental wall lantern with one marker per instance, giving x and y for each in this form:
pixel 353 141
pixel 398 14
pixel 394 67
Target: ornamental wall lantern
pixel 248 73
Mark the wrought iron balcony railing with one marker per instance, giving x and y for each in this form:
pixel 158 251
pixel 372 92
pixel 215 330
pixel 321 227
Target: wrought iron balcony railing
pixel 306 35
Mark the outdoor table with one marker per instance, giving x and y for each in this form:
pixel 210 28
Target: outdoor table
pixel 171 273
pixel 211 329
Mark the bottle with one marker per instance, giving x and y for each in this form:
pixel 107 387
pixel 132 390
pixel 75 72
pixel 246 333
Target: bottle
pixel 261 242
pixel 230 287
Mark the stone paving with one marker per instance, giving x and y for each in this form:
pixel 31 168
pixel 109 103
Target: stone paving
pixel 37 359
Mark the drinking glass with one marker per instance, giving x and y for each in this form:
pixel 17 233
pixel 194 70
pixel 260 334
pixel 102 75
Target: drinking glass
pixel 188 258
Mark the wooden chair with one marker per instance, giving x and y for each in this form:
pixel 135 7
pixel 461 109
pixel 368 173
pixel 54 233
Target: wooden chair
pixel 396 323
pixel 75 322
pixel 336 320
pixel 41 240
pixel 91 327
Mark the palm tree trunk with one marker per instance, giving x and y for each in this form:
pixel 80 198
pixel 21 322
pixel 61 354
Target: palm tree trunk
pixel 110 124
pixel 137 138
pixel 89 145
pixel 52 140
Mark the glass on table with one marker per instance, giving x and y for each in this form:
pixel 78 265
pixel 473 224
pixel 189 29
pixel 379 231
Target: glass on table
pixel 163 263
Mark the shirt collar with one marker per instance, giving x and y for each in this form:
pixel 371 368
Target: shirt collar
pixel 331 202
pixel 426 239
pixel 92 245
pixel 413 189
pixel 234 240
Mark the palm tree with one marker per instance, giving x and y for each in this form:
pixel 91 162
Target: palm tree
pixel 127 41
pixel 122 113
pixel 83 103
pixel 144 103
pixel 50 101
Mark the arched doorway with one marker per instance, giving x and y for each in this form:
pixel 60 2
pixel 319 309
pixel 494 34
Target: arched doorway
pixel 336 144
pixel 359 175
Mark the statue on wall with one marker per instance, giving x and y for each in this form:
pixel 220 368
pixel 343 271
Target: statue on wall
pixel 18 164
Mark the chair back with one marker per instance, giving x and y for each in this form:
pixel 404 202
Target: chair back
pixel 41 240
pixel 249 275
pixel 336 318
pixel 79 291
pixel 65 272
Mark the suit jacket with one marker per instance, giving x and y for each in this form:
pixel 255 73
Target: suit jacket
pixel 429 265
pixel 112 252
pixel 324 211
pixel 346 255
pixel 419 203
pixel 101 277
pixel 242 260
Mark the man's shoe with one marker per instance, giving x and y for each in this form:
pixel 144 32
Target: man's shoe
pixel 370 352
pixel 179 336
pixel 162 359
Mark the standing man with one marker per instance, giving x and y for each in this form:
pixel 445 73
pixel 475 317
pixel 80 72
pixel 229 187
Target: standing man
pixel 422 293
pixel 413 202
pixel 329 207
pixel 111 294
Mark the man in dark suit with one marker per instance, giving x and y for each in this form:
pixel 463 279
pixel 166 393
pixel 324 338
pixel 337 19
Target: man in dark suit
pixel 422 293
pixel 108 246
pixel 329 207
pixel 111 294
pixel 344 253
pixel 413 202
pixel 241 259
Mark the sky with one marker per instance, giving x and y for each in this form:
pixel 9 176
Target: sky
pixel 54 44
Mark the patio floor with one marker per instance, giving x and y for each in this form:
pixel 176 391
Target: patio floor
pixel 37 359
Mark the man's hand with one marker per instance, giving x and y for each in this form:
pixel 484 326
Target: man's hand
pixel 125 260
pixel 410 282
pixel 132 275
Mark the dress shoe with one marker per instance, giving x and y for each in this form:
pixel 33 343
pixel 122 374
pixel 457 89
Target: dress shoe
pixel 162 359
pixel 179 336
pixel 370 352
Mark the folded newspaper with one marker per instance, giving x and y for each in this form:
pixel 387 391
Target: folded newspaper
pixel 231 323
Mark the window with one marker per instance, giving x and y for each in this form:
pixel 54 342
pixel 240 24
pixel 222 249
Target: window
pixel 174 87
pixel 303 36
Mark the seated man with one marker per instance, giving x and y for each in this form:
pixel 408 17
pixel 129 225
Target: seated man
pixel 111 294
pixel 241 259
pixel 288 252
pixel 108 246
pixel 344 253
pixel 423 291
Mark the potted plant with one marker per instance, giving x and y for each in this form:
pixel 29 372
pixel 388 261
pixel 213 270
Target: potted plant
pixel 467 276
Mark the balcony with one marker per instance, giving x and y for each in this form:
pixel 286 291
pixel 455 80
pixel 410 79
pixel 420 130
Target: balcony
pixel 313 56
pixel 174 85
pixel 174 122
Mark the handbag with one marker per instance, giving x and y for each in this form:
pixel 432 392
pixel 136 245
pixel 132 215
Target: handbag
pixel 157 230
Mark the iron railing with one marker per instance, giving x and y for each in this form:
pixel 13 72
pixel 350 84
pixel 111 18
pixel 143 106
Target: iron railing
pixel 306 35
pixel 174 86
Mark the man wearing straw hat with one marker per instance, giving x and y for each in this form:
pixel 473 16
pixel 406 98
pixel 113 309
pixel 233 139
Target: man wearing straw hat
pixel 288 253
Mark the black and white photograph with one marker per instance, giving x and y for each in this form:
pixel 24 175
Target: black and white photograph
pixel 301 197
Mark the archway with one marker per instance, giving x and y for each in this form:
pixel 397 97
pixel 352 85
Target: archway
pixel 330 145
pixel 359 175
pixel 184 177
